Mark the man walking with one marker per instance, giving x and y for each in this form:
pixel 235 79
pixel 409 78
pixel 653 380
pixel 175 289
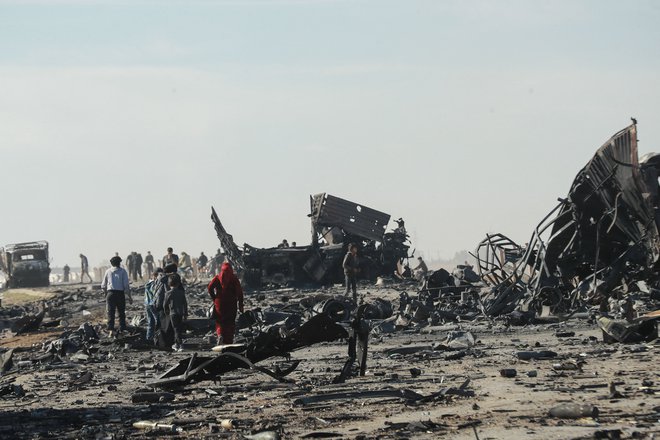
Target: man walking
pixel 116 288
pixel 351 266
pixel 84 269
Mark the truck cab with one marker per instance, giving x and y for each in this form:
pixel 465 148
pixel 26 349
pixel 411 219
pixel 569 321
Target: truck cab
pixel 26 264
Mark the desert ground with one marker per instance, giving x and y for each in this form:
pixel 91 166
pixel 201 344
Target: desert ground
pixel 460 390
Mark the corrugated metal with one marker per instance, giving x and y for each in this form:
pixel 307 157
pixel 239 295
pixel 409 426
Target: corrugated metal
pixel 353 218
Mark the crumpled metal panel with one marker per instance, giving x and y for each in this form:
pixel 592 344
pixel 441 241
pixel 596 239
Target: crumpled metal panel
pixel 605 230
pixel 611 203
pixel 353 218
pixel 232 253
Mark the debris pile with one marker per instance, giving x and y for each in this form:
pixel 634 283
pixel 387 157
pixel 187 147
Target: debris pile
pixel 599 244
pixel 335 223
pixel 549 339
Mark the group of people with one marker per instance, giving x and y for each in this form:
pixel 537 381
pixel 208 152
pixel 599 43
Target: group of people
pixel 166 306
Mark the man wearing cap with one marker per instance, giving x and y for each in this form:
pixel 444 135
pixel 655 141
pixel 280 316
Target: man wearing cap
pixel 116 287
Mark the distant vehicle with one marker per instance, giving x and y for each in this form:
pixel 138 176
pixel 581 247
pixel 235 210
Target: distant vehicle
pixel 26 264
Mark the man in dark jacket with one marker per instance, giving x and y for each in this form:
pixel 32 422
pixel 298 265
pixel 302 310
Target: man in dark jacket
pixel 351 267
pixel 176 307
pixel 170 258
pixel 138 265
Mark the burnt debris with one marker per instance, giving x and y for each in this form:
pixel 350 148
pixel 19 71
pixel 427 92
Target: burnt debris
pixel 335 223
pixel 599 244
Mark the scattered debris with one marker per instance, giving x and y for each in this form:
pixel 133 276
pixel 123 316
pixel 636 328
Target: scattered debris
pixel 574 411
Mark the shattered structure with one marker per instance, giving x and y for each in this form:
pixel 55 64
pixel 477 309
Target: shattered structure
pixel 26 264
pixel 335 223
pixel 599 241
pixel 530 343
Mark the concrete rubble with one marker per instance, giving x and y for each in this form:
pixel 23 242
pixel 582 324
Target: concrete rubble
pixel 551 339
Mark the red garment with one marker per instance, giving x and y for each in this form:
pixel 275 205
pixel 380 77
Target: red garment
pixel 226 291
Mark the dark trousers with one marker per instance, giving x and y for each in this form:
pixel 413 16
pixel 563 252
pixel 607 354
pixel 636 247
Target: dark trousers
pixel 351 283
pixel 116 301
pixel 177 324
pixel 152 322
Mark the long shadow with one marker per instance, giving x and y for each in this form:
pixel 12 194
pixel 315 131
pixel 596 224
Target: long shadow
pixel 113 421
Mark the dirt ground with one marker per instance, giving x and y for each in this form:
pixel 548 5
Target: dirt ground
pixel 89 395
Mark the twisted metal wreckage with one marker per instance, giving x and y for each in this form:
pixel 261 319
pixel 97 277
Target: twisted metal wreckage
pixel 335 223
pixel 598 243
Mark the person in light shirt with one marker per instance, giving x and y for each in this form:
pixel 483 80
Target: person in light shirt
pixel 117 289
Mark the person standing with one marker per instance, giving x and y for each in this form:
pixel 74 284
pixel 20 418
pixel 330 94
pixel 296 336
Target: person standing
pixel 185 265
pixel 66 270
pixel 84 269
pixel 201 263
pixel 149 260
pixel 226 292
pixel 138 265
pixel 116 287
pixel 176 307
pixel 421 270
pixel 150 304
pixel 130 266
pixel 351 267
pixel 170 258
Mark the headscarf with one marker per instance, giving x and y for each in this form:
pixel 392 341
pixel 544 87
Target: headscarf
pixel 226 274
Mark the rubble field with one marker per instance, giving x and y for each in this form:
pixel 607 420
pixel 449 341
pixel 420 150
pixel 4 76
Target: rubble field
pixel 551 339
pixel 479 379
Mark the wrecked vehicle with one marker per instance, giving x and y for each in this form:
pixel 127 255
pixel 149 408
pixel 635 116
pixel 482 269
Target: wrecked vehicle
pixel 335 223
pixel 597 243
pixel 26 264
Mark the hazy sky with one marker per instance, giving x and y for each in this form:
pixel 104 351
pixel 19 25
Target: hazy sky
pixel 122 122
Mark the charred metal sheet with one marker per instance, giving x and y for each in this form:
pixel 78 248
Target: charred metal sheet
pixel 353 218
pixel 335 223
pixel 232 252
pixel 206 368
pixel 626 332
pixel 277 342
pixel 28 323
pixel 603 235
pixel 407 395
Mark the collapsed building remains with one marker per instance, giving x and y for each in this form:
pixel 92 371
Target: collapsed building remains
pixel 599 242
pixel 335 223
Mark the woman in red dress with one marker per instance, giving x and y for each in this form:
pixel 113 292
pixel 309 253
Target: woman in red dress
pixel 226 292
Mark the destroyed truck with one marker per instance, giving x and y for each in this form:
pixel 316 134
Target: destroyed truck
pixel 26 264
pixel 335 223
